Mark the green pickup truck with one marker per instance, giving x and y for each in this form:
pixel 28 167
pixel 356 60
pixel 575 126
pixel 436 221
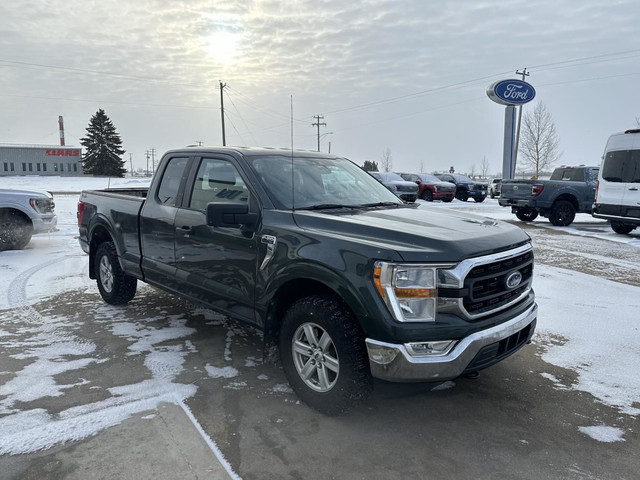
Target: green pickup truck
pixel 348 281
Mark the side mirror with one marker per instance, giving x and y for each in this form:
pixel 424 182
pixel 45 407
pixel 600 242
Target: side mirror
pixel 233 215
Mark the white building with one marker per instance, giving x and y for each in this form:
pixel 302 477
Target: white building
pixel 40 160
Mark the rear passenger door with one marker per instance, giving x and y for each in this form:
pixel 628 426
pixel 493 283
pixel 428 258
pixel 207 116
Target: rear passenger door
pixel 216 265
pixel 157 222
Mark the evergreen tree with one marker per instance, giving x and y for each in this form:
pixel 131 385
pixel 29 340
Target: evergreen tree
pixel 103 148
pixel 370 166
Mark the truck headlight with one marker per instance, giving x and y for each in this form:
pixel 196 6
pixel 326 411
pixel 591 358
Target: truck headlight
pixel 409 291
pixel 42 205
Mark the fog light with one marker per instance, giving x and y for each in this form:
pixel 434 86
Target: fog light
pixel 430 349
pixel 381 354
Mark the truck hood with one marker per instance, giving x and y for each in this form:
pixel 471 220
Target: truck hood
pixel 423 234
pixel 24 193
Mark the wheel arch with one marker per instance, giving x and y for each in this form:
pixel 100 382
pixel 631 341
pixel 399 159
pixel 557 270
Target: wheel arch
pixel 569 197
pixel 99 234
pixel 292 290
pixel 6 211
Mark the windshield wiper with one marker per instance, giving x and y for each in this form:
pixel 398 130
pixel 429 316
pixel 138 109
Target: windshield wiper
pixel 382 204
pixel 328 206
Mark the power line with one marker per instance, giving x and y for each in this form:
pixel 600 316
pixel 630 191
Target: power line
pixel 317 124
pixel 242 119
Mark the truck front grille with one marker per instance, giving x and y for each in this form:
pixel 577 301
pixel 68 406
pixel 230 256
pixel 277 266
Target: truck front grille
pixel 491 283
pixel 487 284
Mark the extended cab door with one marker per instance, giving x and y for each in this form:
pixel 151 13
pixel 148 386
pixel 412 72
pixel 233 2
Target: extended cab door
pixel 157 222
pixel 216 265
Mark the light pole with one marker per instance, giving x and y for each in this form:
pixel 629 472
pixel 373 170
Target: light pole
pixel 321 137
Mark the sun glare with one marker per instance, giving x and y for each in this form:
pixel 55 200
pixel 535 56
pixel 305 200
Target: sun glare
pixel 221 46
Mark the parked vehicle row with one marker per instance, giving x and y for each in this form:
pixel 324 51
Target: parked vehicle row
pixel 430 187
pixel 465 187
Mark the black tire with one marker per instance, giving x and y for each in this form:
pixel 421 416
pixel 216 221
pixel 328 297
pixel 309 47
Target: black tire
pixel 116 287
pixel 427 196
pixel 622 228
pixel 562 213
pixel 462 195
pixel 527 214
pixel 479 199
pixel 493 195
pixel 15 231
pixel 330 349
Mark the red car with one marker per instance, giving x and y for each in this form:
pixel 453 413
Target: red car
pixel 430 187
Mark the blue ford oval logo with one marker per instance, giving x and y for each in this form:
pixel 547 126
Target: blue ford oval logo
pixel 513 280
pixel 511 92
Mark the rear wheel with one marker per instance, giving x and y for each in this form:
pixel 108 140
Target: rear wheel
pixel 15 231
pixel 562 213
pixel 324 355
pixel 622 228
pixel 527 214
pixel 462 195
pixel 115 286
pixel 427 196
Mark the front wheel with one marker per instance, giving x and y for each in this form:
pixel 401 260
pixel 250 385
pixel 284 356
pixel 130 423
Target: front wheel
pixel 526 214
pixel 427 196
pixel 115 286
pixel 562 213
pixel 479 199
pixel 622 228
pixel 324 355
pixel 15 231
pixel 462 195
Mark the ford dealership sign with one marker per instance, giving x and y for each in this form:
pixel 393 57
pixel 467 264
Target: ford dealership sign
pixel 511 92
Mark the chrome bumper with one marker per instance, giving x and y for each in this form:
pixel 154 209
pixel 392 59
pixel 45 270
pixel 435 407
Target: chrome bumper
pixel 393 362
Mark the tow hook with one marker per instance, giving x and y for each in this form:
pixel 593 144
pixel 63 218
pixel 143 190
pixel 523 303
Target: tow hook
pixel 472 375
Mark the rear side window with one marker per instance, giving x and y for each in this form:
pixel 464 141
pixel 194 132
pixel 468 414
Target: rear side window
pixel 622 166
pixel 171 179
pixel 568 174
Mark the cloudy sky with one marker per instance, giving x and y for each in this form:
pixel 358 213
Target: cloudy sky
pixel 405 75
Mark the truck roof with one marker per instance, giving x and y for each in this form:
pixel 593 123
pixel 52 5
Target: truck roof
pixel 252 151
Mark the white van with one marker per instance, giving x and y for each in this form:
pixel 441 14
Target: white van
pixel 618 188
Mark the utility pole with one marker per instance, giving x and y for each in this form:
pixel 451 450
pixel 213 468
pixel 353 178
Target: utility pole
pixel 317 124
pixel 131 164
pixel 224 140
pixel 146 152
pixel 524 74
pixel 153 160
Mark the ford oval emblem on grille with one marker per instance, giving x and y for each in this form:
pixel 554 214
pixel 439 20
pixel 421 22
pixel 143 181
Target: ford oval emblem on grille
pixel 513 280
pixel 515 187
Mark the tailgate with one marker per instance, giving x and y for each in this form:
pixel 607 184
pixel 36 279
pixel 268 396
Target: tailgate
pixel 516 190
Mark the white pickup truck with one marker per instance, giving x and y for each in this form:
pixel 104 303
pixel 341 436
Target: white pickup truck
pixel 22 214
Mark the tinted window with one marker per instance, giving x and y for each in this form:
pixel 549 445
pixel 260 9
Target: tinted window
pixel 170 183
pixel 622 166
pixel 217 181
pixel 429 178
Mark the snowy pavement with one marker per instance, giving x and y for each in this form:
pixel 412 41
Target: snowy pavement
pixel 61 377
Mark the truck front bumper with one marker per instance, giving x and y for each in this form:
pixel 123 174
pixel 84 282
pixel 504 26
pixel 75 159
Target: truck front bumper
pixel 44 223
pixel 393 362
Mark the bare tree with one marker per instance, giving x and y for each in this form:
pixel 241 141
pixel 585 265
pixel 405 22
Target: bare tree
pixel 485 166
pixel 473 172
pixel 386 162
pixel 638 121
pixel 539 144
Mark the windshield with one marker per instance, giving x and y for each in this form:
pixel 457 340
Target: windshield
pixel 318 182
pixel 462 178
pixel 427 177
pixel 390 177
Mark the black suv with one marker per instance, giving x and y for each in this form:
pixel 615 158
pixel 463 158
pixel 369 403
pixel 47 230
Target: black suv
pixel 465 187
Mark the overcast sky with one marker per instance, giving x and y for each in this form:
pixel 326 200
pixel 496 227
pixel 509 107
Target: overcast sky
pixel 409 76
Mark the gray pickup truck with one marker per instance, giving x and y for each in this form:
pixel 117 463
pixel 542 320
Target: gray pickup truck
pixel 570 190
pixel 24 213
pixel 348 281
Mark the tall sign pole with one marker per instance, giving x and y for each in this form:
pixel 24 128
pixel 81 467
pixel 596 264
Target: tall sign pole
pixel 224 140
pixel 510 93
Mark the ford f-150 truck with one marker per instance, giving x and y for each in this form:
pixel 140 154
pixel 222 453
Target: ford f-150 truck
pixel 570 190
pixel 346 279
pixel 24 213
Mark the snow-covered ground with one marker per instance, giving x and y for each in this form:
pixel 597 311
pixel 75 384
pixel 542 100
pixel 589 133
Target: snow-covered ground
pixel 587 324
